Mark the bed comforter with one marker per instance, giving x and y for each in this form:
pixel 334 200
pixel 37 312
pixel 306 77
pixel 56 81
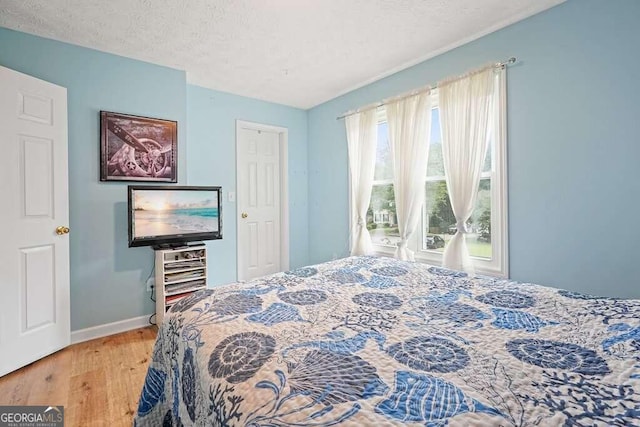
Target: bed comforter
pixel 376 341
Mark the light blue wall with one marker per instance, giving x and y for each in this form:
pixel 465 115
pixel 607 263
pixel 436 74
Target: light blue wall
pixel 107 277
pixel 212 161
pixel 574 145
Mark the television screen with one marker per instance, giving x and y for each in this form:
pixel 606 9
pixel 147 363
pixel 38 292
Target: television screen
pixel 170 215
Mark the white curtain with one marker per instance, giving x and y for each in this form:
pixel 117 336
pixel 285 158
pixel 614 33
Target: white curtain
pixel 466 106
pixel 362 140
pixel 409 122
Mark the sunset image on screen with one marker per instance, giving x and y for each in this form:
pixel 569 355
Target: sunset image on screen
pixel 162 213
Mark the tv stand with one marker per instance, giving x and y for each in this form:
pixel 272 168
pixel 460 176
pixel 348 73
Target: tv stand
pixel 180 271
pixel 164 246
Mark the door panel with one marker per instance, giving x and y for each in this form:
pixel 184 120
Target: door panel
pixel 268 184
pixel 36 176
pixel 253 185
pixel 253 240
pixel 38 287
pixel 34 260
pixel 270 246
pixel 35 108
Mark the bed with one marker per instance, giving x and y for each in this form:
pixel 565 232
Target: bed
pixel 377 341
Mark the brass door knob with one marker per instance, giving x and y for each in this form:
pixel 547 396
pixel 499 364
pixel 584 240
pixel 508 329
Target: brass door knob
pixel 62 230
pixel 244 215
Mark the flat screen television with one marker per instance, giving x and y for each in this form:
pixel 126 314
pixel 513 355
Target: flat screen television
pixel 173 215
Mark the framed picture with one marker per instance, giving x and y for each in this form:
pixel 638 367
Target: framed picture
pixel 134 148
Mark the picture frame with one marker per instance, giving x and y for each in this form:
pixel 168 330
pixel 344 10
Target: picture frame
pixel 137 148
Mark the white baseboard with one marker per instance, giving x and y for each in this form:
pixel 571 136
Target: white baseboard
pixel 100 331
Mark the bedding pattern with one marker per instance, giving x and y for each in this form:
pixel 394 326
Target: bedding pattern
pixel 377 341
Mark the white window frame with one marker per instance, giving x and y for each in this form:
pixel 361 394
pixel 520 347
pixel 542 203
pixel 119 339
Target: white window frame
pixel 498 265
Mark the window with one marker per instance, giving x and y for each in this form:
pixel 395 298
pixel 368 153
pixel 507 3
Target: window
pixel 381 216
pixel 487 237
pixel 438 218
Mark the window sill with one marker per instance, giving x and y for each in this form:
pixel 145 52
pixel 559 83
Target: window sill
pixel 427 257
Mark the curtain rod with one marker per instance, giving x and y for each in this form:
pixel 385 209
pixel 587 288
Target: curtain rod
pixel 368 107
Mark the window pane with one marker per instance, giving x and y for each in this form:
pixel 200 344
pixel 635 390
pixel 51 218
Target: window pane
pixel 435 165
pixel 384 163
pixel 381 216
pixel 440 223
pixel 479 240
pixel 487 159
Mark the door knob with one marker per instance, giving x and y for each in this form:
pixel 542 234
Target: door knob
pixel 62 230
pixel 244 215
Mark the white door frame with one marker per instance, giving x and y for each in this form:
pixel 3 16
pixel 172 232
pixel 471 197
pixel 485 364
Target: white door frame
pixel 283 143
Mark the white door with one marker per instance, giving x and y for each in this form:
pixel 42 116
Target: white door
pixel 34 259
pixel 259 202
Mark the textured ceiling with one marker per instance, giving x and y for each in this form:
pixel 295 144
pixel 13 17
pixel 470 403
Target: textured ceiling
pixel 294 52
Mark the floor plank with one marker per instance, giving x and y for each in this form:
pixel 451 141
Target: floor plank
pixel 88 404
pixel 50 384
pixel 98 382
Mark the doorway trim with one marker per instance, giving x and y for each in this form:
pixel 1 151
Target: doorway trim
pixel 283 143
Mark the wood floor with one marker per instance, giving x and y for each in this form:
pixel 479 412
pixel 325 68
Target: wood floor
pixel 98 382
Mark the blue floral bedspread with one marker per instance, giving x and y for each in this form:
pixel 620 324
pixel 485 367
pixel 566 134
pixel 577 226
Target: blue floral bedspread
pixel 376 341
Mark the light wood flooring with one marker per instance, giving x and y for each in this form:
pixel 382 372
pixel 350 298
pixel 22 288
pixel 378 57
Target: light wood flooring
pixel 98 382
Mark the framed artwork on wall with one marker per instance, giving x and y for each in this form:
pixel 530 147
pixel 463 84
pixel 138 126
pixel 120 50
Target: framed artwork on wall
pixel 134 148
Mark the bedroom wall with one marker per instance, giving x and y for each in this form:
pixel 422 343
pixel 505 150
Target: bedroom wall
pixel 212 129
pixel 107 277
pixel 573 122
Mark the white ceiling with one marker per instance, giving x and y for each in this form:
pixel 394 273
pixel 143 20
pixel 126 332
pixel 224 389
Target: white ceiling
pixel 294 52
